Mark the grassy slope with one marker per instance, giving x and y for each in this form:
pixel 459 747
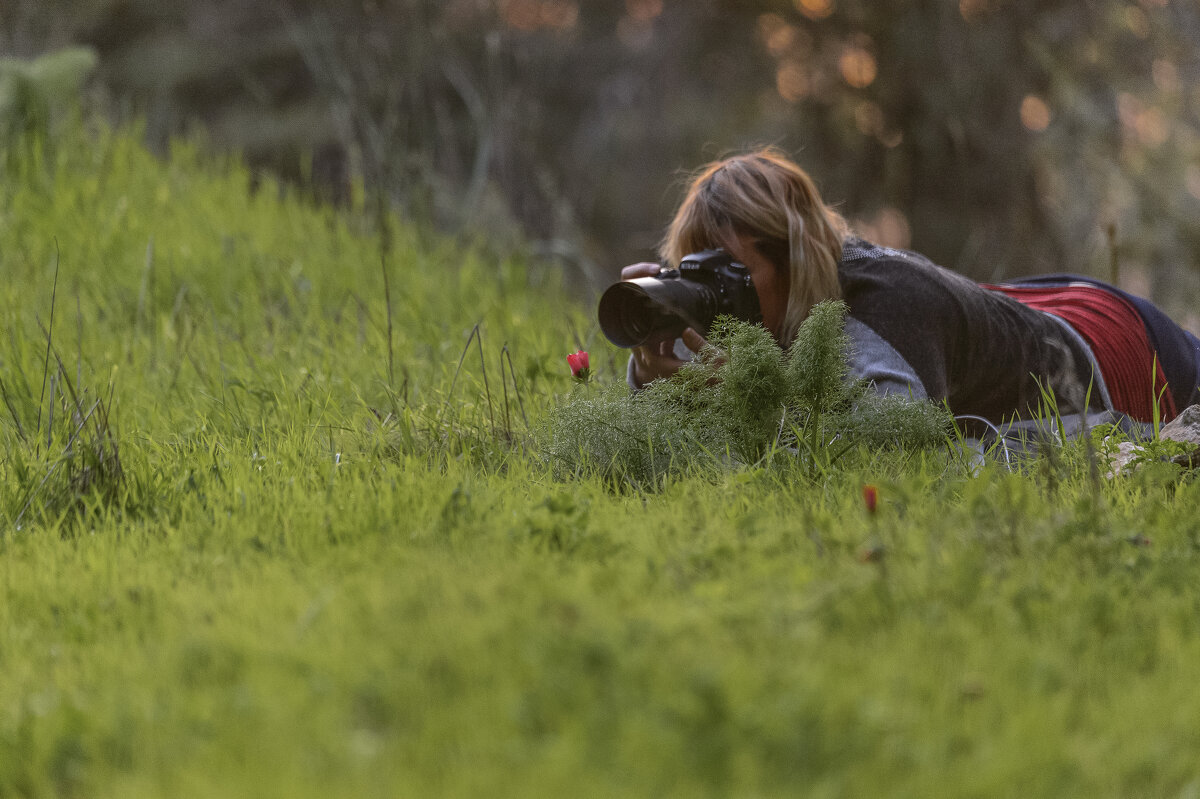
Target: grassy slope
pixel 288 599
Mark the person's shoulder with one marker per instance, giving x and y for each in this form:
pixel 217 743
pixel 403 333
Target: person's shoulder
pixel 867 270
pixel 862 257
pixel 858 252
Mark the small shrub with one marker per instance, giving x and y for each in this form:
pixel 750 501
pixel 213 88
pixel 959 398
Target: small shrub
pixel 741 400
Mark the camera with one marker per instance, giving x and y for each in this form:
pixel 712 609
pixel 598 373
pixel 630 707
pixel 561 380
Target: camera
pixel 650 309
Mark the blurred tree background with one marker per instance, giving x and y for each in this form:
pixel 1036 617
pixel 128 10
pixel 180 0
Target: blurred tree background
pixel 1000 137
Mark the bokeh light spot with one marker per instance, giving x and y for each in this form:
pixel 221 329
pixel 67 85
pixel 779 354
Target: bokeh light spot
pixel 1137 22
pixel 778 35
pixel 532 15
pixel 971 10
pixel 1146 124
pixel 1035 114
pixel 888 226
pixel 635 34
pixel 523 15
pixel 857 66
pixel 891 139
pixel 791 81
pixel 644 10
pixel 868 118
pixel 1191 179
pixel 815 9
pixel 1166 75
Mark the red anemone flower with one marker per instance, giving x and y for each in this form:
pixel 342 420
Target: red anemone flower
pixel 870 497
pixel 578 361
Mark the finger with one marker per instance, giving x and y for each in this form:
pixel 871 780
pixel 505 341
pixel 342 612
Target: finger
pixel 694 341
pixel 644 269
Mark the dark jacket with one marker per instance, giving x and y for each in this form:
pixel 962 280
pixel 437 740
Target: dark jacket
pixel 919 328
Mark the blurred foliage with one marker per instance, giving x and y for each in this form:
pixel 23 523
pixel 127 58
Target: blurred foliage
pixel 1001 137
pixel 36 95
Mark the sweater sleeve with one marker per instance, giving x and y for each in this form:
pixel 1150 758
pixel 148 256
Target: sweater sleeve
pixel 876 361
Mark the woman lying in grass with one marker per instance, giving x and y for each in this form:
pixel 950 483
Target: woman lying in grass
pixel 993 351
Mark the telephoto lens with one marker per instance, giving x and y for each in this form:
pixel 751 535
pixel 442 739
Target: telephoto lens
pixel 652 309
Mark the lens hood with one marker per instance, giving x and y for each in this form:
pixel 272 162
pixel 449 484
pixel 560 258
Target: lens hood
pixel 650 309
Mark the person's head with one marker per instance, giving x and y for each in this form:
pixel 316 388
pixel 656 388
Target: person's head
pixel 765 202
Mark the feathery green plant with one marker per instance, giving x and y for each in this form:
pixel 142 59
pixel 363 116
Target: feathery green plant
pixel 743 399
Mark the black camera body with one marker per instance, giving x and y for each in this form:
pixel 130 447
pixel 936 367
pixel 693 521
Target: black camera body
pixel 706 285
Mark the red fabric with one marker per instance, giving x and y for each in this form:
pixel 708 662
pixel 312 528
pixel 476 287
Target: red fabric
pixel 1115 332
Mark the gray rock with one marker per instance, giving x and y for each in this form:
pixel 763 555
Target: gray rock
pixel 1184 428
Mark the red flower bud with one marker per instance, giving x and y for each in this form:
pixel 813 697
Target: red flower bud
pixel 578 361
pixel 870 497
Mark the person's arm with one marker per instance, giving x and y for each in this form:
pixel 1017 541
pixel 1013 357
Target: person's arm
pixel 876 361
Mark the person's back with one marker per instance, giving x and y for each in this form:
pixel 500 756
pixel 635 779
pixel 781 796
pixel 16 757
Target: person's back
pixel 980 351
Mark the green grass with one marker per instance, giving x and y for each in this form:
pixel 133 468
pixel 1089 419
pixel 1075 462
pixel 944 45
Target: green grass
pixel 318 576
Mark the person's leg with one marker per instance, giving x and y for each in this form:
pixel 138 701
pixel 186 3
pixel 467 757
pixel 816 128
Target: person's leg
pixel 1177 349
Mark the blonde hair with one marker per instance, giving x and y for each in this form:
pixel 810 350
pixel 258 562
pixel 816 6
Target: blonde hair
pixel 766 196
